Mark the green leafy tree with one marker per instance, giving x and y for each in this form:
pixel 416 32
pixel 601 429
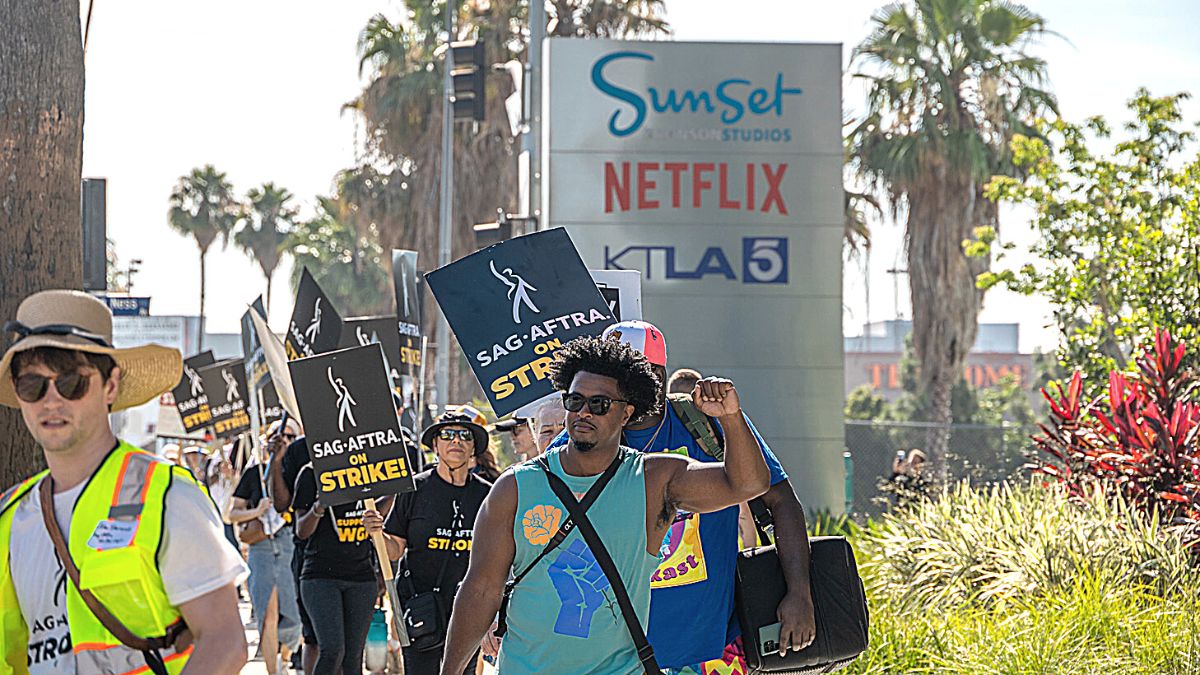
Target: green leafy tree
pixel 1118 234
pixel 349 268
pixel 950 83
pixel 266 223
pixel 864 404
pixel 202 206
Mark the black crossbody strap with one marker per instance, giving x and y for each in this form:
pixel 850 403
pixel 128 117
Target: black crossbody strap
pixel 644 651
pixel 564 529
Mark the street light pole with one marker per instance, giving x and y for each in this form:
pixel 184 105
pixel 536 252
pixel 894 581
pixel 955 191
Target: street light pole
pixel 533 137
pixel 446 212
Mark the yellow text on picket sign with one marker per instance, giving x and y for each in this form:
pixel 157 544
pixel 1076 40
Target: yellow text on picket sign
pixel 538 369
pixel 363 474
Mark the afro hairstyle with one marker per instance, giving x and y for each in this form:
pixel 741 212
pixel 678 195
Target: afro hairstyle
pixel 611 358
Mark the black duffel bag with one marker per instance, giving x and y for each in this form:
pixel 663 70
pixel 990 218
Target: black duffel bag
pixel 838 598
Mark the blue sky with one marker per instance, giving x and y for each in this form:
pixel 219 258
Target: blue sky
pixel 255 89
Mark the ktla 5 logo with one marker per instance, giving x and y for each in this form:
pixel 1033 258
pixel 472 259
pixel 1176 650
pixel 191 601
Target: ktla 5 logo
pixel 764 261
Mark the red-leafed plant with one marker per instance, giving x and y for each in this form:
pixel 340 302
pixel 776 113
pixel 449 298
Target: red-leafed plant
pixel 1140 440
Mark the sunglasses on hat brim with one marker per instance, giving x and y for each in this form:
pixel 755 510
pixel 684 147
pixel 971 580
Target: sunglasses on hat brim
pixel 59 329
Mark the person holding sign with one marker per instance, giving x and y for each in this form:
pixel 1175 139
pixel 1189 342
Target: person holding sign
pixel 581 594
pixel 158 576
pixel 337 576
pixel 431 529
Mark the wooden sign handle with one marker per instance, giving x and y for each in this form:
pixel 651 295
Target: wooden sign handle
pixel 389 582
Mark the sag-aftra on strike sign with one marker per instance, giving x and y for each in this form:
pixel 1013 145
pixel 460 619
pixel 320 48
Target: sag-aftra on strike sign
pixel 351 426
pixel 512 305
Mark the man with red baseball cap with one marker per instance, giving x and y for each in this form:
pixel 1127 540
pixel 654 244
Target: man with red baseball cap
pixel 691 618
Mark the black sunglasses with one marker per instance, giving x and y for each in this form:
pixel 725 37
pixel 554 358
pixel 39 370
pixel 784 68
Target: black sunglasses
pixel 451 434
pixel 597 405
pixel 71 386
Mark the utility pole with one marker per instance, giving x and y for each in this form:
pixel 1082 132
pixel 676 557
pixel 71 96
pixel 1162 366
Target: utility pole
pixel 533 137
pixel 446 213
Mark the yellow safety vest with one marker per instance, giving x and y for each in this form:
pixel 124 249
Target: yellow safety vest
pixel 128 490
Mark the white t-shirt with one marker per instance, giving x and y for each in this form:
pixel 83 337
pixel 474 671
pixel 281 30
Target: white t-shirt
pixel 196 561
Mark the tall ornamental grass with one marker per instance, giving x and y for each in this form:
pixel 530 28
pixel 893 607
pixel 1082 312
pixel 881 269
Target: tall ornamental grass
pixel 1028 579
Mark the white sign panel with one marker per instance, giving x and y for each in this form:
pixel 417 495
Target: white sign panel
pixel 715 170
pixel 141 424
pixel 622 290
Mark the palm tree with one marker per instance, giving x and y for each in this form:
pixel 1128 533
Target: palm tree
pixel 950 84
pixel 266 223
pixel 402 111
pixel 203 207
pixel 41 86
pixel 606 18
pixel 329 247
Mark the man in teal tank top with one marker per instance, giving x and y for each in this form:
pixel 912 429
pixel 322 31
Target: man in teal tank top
pixel 563 616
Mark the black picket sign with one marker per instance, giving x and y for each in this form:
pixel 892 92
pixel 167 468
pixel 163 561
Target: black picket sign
pixel 190 400
pixel 406 282
pixel 257 375
pixel 364 330
pixel 351 426
pixel 315 326
pixel 225 387
pixel 512 305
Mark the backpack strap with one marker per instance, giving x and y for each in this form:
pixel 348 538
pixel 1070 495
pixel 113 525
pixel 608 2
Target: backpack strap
pixel 698 424
pixel 565 528
pixel 705 433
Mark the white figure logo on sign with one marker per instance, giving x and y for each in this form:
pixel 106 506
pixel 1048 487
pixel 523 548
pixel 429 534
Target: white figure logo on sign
pixel 518 291
pixel 314 326
pixel 231 388
pixel 404 287
pixel 194 381
pixel 345 402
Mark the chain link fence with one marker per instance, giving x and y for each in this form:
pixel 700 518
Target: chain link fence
pixel 981 454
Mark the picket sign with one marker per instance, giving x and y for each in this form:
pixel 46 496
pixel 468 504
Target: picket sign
pixel 282 379
pixel 512 305
pixel 351 425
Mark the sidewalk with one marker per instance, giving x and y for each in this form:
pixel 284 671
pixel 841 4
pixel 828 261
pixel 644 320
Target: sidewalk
pixel 255 666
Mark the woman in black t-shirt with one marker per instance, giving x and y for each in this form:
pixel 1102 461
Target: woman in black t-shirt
pixel 432 527
pixel 337 577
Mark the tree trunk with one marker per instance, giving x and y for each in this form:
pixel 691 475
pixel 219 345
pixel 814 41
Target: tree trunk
pixel 200 337
pixel 937 438
pixel 41 149
pixel 943 212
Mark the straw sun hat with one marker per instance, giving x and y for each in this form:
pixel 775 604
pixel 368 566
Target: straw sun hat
pixel 77 321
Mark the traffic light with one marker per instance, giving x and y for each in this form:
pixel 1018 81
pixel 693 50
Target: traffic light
pixel 469 78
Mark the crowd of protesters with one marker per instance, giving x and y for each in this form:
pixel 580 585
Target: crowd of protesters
pixel 472 542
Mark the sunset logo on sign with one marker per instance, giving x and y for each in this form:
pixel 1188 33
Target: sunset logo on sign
pixel 731 100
